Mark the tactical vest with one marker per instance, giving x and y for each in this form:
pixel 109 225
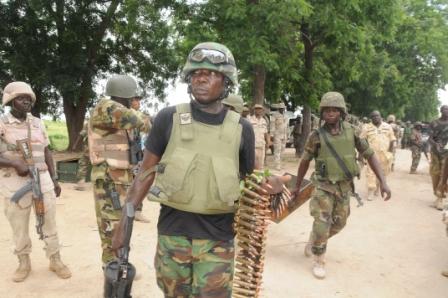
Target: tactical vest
pixel 112 148
pixel 327 167
pixel 33 132
pixel 199 170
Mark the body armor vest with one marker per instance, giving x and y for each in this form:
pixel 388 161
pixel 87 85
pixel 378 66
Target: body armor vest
pixel 112 148
pixel 31 131
pixel 199 170
pixel 327 167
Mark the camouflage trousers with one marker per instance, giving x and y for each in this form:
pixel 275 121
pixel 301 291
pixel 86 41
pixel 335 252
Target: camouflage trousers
pixel 416 155
pixel 330 214
pixel 435 169
pixel 188 267
pixel 83 165
pixel 106 215
pixel 260 154
pixel 279 148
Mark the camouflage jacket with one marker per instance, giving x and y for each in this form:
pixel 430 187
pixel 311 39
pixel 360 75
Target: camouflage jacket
pixel 111 116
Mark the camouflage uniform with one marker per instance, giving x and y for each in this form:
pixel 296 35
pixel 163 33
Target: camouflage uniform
pixel 260 129
pixel 416 148
pixel 279 132
pixel 379 138
pixel 175 274
pixel 106 180
pixel 330 205
pixel 439 134
pixel 406 135
pixel 84 161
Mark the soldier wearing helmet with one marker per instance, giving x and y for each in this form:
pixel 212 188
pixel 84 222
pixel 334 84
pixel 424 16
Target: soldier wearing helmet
pixel 19 125
pixel 333 146
pixel 416 143
pixel 110 136
pixel 279 132
pixel 438 140
pixel 234 102
pixel 194 157
pixel 407 130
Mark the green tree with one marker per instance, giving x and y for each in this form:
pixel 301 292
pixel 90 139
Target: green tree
pixel 64 47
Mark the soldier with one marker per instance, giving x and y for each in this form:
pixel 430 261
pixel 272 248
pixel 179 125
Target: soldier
pixel 110 133
pixel 297 133
pixel 234 103
pixel 396 130
pixel 438 140
pixel 333 148
pixel 245 113
pixel 406 135
pixel 262 141
pixel 197 151
pixel 19 124
pixel 416 146
pixel 381 139
pixel 279 132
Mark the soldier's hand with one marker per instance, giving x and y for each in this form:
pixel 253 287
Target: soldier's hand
pixel 21 168
pixel 57 189
pixel 275 184
pixel 118 237
pixel 385 191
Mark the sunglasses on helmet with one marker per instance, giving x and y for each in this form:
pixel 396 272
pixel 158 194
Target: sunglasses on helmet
pixel 213 56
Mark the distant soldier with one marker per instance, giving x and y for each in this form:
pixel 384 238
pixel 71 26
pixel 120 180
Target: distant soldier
pixel 245 113
pixel 279 131
pixel 438 140
pixel 416 144
pixel 262 141
pixel 297 134
pixel 110 136
pixel 15 173
pixel 381 139
pixel 396 130
pixel 400 132
pixel 407 130
pixel 235 103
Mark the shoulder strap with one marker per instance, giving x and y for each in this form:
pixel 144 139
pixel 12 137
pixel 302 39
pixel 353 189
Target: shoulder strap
pixel 185 120
pixel 335 154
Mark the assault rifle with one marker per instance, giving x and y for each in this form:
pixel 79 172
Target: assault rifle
pixel 135 148
pixel 119 274
pixel 33 186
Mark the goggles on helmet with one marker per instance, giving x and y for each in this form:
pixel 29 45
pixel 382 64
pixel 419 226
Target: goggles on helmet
pixel 213 56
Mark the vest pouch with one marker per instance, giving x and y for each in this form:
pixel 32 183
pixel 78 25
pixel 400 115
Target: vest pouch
pixel 351 164
pixel 224 185
pixel 176 182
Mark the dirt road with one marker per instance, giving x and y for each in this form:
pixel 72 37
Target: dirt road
pixel 388 249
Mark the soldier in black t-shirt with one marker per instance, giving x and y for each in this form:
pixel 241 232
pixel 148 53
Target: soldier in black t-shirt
pixel 198 152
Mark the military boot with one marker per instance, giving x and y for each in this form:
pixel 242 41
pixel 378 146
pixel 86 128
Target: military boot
pixel 23 270
pixel 308 252
pixel 438 204
pixel 140 217
pixel 319 266
pixel 58 267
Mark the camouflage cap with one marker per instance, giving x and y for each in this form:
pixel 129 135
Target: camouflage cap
pixel 227 66
pixel 391 118
pixel 334 100
pixel 258 106
pixel 14 89
pixel 234 101
pixel 418 123
pixel 246 109
pixel 121 86
pixel 279 105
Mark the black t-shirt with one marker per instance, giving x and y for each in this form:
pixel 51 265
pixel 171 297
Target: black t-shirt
pixel 175 222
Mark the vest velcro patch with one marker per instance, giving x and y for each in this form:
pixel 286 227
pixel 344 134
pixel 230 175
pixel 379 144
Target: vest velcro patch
pixel 185 118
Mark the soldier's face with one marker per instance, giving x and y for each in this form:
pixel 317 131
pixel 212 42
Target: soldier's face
pixel 22 104
pixel 258 112
pixel 135 104
pixel 331 115
pixel 376 118
pixel 206 85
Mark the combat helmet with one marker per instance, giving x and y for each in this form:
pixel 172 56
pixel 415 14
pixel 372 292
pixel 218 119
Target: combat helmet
pixel 122 86
pixel 334 100
pixel 234 101
pixel 391 118
pixel 213 56
pixel 418 123
pixel 14 89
